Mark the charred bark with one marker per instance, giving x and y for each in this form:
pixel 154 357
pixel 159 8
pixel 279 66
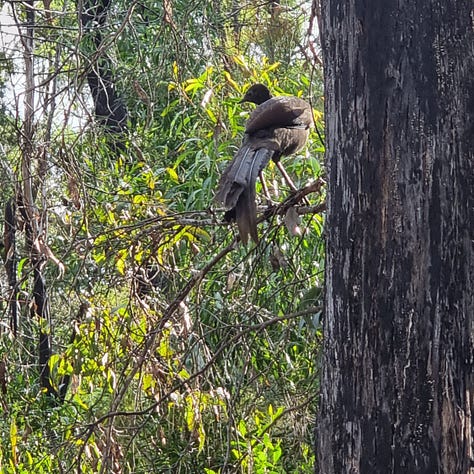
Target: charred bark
pixel 110 110
pixel 40 309
pixel 398 380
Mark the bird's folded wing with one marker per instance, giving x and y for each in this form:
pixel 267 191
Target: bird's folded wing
pixel 280 112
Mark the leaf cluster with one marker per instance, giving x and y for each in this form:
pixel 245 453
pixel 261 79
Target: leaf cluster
pixel 179 350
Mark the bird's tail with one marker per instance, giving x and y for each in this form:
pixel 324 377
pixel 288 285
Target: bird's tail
pixel 236 189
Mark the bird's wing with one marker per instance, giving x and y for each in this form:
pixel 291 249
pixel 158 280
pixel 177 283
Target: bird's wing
pixel 280 112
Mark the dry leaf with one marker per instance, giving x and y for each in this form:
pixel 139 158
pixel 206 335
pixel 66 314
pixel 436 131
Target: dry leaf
pixel 277 259
pixel 292 222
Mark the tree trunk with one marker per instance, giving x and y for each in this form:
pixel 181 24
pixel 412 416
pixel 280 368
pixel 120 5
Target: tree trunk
pixel 34 218
pixel 110 109
pixel 10 260
pixel 397 382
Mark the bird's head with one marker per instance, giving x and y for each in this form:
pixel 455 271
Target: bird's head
pixel 257 94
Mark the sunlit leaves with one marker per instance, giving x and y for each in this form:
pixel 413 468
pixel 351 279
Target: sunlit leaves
pixel 173 175
pixel 256 449
pixel 135 223
pixel 13 441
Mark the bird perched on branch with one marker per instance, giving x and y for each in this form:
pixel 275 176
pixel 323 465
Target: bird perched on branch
pixel 279 126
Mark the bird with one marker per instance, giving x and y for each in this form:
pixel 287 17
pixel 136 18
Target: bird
pixel 278 126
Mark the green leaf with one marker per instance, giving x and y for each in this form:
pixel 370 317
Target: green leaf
pixel 242 428
pixel 173 175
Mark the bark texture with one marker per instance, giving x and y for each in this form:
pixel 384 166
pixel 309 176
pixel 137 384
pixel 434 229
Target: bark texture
pixel 34 216
pixel 10 260
pixel 110 109
pixel 398 377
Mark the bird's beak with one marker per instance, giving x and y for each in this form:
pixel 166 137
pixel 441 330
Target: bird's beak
pixel 244 99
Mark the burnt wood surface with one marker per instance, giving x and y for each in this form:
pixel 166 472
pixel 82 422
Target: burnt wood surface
pixel 398 378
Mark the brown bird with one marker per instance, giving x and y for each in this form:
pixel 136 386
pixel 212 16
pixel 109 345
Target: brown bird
pixel 278 127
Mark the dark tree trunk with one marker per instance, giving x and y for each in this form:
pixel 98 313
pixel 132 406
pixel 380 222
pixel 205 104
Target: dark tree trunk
pixel 398 377
pixel 110 109
pixel 41 310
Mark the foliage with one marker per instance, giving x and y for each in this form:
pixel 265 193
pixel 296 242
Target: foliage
pixel 178 350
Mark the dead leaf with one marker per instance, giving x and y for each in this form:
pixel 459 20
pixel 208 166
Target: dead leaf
pixel 292 222
pixel 277 259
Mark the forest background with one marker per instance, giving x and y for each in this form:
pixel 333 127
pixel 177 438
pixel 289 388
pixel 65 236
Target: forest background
pixel 137 335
